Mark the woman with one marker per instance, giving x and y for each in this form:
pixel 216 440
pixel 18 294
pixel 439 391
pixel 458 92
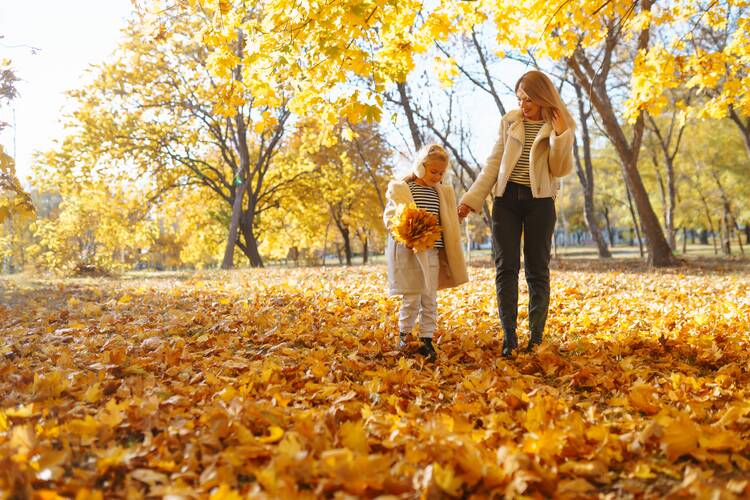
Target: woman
pixel 535 147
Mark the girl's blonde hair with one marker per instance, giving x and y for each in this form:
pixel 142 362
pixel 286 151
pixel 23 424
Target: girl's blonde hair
pixel 542 91
pixel 432 151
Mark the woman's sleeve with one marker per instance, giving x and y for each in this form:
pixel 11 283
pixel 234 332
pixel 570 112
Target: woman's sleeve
pixel 561 153
pixel 487 178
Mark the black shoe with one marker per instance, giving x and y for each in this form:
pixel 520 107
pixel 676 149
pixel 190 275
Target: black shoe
pixel 534 341
pixel 426 349
pixel 403 341
pixel 510 342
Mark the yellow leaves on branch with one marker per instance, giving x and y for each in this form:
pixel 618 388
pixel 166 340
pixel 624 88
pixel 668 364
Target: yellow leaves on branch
pixel 718 73
pixel 415 228
pixel 13 199
pixel 316 48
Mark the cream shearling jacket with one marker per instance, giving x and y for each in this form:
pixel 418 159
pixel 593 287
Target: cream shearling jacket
pixel 406 269
pixel 551 157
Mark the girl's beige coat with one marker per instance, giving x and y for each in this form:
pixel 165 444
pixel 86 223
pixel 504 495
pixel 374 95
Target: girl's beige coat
pixel 551 156
pixel 407 270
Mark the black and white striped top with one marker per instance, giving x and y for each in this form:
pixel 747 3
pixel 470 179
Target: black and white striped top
pixel 520 173
pixel 427 198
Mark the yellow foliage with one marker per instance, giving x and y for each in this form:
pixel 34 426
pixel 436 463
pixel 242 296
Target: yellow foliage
pixel 14 201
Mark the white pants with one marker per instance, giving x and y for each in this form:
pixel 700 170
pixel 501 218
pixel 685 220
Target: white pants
pixel 423 305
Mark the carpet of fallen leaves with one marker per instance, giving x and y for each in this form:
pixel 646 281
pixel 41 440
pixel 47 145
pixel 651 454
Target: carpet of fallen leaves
pixel 285 384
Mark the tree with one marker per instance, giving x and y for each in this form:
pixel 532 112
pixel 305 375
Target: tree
pixel 8 90
pixel 666 132
pixel 179 115
pixel 585 171
pixel 327 43
pixel 350 179
pixel 582 62
pixel 95 229
pixel 16 207
pixel 706 50
pixel 715 170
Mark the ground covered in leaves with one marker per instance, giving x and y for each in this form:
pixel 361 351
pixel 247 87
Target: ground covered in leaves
pixel 285 383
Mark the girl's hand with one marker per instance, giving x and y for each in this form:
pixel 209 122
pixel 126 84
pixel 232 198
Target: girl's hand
pixel 463 210
pixel 557 122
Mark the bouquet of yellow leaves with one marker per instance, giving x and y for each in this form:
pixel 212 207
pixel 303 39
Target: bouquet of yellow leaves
pixel 416 228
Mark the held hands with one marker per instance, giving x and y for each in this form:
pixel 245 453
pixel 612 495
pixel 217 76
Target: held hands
pixel 557 121
pixel 463 211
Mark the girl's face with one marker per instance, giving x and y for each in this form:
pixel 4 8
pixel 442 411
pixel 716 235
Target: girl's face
pixel 530 109
pixel 434 170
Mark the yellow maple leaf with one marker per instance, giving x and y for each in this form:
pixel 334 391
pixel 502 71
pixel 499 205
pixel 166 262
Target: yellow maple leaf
pixel 641 398
pixel 446 479
pixel 274 434
pixel 354 436
pixel 680 437
pixel 225 492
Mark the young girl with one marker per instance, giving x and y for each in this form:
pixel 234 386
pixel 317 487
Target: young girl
pixel 535 147
pixel 419 276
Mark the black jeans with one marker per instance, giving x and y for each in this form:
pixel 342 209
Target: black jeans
pixel 518 212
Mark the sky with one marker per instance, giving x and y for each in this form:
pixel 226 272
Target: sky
pixel 67 37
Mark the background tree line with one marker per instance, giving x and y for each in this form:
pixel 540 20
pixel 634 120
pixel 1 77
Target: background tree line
pixel 221 134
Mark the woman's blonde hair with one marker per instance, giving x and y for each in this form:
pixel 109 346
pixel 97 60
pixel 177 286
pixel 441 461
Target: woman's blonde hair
pixel 432 151
pixel 542 91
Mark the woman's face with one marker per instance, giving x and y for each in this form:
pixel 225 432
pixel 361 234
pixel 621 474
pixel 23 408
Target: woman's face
pixel 530 109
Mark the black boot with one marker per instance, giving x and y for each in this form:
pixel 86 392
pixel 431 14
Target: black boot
pixel 510 342
pixel 403 341
pixel 534 340
pixel 426 349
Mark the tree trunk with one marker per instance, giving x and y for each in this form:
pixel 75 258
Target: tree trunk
pixel 726 239
pixel 684 240
pixel 659 251
pixel 729 220
pixel 636 230
pixel 240 176
pixel 710 222
pixel 346 238
pixel 8 258
pixel 747 233
pixel 406 104
pixel 671 201
pixel 365 250
pixel 347 245
pixel 608 225
pixel 739 238
pixel 250 248
pixel 744 126
pixel 585 173
pixel 669 153
pixel 325 241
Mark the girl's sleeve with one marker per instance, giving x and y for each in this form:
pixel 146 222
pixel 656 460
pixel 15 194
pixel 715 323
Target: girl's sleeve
pixel 390 208
pixel 561 153
pixel 487 178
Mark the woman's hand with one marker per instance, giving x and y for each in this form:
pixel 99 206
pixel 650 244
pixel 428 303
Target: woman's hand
pixel 557 122
pixel 463 210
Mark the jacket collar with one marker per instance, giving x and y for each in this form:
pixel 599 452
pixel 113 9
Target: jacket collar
pixel 516 130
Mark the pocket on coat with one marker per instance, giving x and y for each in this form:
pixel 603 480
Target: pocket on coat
pixel 405 258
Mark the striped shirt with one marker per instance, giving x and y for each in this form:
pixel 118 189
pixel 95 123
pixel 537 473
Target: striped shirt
pixel 520 173
pixel 427 199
